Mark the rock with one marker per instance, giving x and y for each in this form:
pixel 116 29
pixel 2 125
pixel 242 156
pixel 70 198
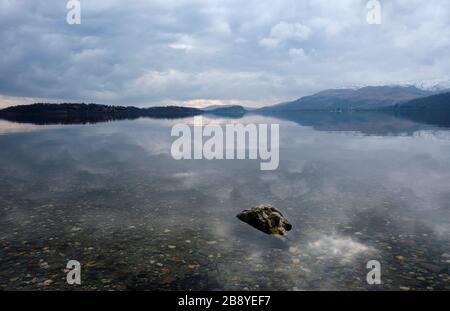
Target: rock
pixel 266 219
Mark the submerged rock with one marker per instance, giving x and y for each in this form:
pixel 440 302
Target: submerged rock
pixel 266 218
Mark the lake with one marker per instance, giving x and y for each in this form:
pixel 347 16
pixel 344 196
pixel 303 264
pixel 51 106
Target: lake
pixel 355 186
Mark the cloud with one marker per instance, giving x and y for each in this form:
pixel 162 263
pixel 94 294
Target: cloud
pixel 227 85
pixel 283 31
pixel 7 101
pixel 150 52
pixel 298 54
pixel 269 42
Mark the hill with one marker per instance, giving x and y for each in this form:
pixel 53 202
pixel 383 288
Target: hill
pixel 366 98
pixel 434 102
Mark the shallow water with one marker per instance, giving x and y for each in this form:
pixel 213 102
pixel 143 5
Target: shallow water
pixel 110 196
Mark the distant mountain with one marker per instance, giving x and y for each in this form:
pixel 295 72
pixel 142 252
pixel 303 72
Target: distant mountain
pixel 435 85
pixel 366 98
pixel 407 101
pixel 80 113
pixel 68 108
pixel 406 118
pixel 74 113
pixel 434 102
pixel 170 112
pixel 228 111
pixel 439 85
pixel 214 107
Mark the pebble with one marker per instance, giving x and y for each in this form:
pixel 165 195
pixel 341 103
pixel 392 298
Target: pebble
pixel 47 282
pixel 294 250
pixel 44 265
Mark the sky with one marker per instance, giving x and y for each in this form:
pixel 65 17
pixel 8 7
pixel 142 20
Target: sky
pixel 202 52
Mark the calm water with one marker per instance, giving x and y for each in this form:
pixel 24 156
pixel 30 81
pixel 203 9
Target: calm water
pixel 109 195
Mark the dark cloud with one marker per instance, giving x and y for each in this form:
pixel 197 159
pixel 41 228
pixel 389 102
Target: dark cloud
pixel 178 51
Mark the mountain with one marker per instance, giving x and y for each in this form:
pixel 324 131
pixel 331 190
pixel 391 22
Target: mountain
pixel 374 122
pixel 434 102
pixel 433 110
pixel 406 118
pixel 366 98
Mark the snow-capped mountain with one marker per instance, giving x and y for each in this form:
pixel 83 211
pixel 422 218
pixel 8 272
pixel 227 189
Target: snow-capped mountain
pixel 432 85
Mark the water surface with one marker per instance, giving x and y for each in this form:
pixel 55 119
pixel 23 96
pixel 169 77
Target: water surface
pixel 355 187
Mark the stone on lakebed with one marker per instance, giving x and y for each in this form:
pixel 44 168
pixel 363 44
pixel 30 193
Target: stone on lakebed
pixel 266 218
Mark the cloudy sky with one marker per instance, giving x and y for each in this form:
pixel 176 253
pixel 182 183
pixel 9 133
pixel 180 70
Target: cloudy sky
pixel 199 52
